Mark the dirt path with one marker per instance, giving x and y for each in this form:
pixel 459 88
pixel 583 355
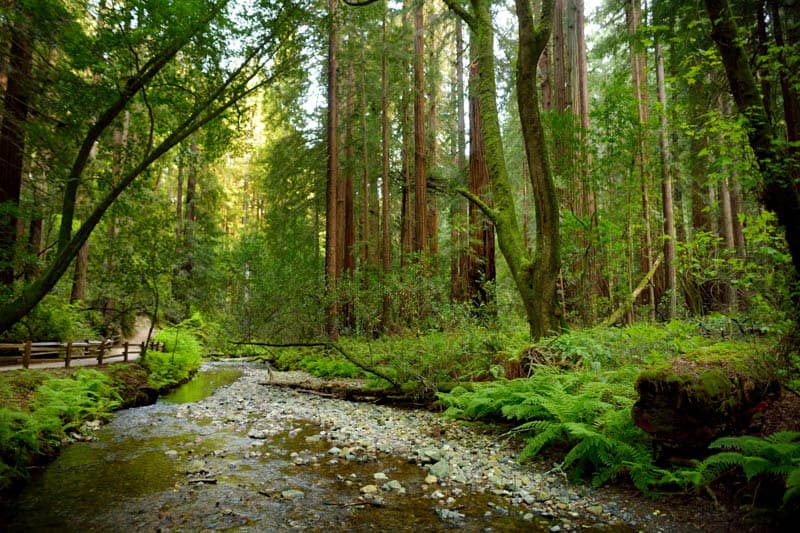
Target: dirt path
pixel 115 355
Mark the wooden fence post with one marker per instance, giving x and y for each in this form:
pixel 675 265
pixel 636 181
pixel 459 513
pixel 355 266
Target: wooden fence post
pixel 68 355
pixel 125 351
pixel 26 354
pixel 102 351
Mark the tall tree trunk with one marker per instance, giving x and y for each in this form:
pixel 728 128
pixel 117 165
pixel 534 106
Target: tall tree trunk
pixel 633 13
pixel 559 59
pixel 546 262
pixel 78 293
pixel 365 184
pixel 332 183
pixel 386 260
pixel 12 146
pixel 781 174
pixel 432 231
pixel 190 209
pixel 590 274
pixel 179 202
pixel 726 225
pixel 347 202
pixel 535 277
pixel 670 281
pixel 459 267
pixel 482 271
pixel 420 176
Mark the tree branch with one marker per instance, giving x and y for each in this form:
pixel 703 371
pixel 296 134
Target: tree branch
pixel 628 303
pixel 490 212
pixel 329 345
pixel 460 12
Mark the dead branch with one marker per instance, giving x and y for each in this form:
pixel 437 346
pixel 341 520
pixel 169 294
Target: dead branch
pixel 329 345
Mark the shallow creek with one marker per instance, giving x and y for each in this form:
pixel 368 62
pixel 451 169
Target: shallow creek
pixel 197 460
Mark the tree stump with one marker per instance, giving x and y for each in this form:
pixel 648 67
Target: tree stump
pixel 688 402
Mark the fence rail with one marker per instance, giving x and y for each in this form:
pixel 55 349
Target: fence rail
pixel 30 353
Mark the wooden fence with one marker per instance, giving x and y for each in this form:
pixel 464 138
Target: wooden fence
pixel 31 353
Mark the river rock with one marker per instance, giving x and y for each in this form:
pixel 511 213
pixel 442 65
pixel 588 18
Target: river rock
pixel 395 486
pixel 292 494
pixel 380 476
pixel 258 433
pixel 440 469
pixel 369 489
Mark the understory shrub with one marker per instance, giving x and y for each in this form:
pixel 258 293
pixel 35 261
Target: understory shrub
pixel 586 413
pixel 776 455
pixel 56 406
pixel 182 355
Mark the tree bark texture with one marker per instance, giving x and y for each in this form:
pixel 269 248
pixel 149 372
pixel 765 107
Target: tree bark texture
pixel 12 147
pixel 670 281
pixel 420 176
pixel 481 272
pixel 332 183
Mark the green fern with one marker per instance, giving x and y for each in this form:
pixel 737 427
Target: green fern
pixel 777 454
pixel 587 413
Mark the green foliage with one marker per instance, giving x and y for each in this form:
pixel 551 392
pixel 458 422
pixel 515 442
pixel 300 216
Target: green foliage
pixel 586 412
pixel 57 406
pixel 54 318
pixel 611 347
pixel 776 455
pixel 182 356
pixel 326 367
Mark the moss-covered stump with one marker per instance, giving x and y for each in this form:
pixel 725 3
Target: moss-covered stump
pixel 688 402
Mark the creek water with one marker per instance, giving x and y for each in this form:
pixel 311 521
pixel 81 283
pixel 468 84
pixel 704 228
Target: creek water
pixel 151 469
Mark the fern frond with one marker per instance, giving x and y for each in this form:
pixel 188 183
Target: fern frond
pixel 792 485
pixel 540 440
pixel 783 437
pixel 722 461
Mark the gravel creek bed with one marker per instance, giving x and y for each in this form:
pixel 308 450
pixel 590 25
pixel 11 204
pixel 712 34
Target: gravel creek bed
pixel 256 457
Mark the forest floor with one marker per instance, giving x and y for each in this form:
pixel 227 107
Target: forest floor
pixel 547 491
pixel 457 474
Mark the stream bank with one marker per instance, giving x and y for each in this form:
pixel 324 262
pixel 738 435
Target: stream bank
pixel 255 457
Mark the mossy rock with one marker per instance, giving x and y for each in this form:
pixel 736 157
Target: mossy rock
pixel 687 402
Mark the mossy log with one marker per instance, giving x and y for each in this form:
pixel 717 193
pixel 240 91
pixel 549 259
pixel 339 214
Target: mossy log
pixel 688 402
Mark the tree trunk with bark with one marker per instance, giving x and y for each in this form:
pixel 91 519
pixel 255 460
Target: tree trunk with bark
pixel 482 272
pixel 534 276
pixel 12 146
pixel 420 175
pixel 459 211
pixel 776 160
pixel 670 275
pixel 332 183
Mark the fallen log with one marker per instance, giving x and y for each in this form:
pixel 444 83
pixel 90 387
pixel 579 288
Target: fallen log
pixel 689 401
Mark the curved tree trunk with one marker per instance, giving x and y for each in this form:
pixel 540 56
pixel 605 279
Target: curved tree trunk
pixel 779 169
pixel 534 276
pixel 546 259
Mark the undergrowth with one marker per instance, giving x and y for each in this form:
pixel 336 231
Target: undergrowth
pixel 56 406
pixel 776 456
pixel 586 413
pixel 182 355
